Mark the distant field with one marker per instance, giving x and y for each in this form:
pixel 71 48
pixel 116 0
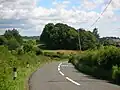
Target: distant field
pixel 63 51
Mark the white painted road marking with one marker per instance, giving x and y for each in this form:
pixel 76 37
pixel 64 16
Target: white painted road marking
pixel 58 66
pixel 64 65
pixel 58 69
pixel 61 73
pixel 72 81
pixel 66 77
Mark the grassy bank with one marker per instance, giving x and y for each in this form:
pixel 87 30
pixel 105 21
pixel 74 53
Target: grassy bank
pixel 9 60
pixel 103 63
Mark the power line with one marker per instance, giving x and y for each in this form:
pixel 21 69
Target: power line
pixel 101 14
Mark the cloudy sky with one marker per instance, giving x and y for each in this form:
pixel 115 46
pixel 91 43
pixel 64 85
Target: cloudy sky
pixel 30 16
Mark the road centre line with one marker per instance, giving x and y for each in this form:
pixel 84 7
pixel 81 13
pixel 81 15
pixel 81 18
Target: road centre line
pixel 61 73
pixel 66 77
pixel 72 81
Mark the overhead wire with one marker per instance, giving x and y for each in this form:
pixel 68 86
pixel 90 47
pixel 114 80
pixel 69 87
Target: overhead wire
pixel 101 14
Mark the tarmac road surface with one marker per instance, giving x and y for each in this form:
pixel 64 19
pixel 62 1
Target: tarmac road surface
pixel 63 76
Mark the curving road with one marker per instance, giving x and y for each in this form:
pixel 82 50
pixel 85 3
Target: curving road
pixel 63 76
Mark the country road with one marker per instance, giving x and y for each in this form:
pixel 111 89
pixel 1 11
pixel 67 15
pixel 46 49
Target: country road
pixel 63 76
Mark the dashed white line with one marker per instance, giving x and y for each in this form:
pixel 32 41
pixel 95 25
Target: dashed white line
pixel 72 81
pixel 61 73
pixel 64 65
pixel 58 69
pixel 59 65
pixel 66 77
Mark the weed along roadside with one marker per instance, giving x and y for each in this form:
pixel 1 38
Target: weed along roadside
pixel 16 69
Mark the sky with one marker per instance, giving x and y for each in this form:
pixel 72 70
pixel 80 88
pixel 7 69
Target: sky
pixel 30 16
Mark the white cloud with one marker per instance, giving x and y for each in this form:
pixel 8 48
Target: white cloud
pixel 88 5
pixel 61 4
pixel 115 5
pixel 31 17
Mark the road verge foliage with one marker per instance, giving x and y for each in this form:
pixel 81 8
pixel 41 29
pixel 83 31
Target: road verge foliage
pixel 103 63
pixel 19 59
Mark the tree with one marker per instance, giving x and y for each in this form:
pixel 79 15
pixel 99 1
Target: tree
pixel 8 34
pixel 88 40
pixel 62 36
pixel 3 40
pixel 59 36
pixel 13 34
pixel 95 32
pixel 13 44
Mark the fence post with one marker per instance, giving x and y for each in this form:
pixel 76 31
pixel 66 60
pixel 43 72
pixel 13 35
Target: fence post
pixel 14 73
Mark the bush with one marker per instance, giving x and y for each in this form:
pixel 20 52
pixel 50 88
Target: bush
pixel 12 44
pixel 20 51
pixel 116 74
pixel 38 51
pixel 11 59
pixel 3 40
pixel 27 48
pixel 100 63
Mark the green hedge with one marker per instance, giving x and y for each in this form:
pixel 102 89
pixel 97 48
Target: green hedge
pixel 99 63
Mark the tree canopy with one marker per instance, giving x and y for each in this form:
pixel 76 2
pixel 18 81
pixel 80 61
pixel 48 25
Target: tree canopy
pixel 59 36
pixel 95 32
pixel 13 34
pixel 88 40
pixel 62 36
pixel 12 39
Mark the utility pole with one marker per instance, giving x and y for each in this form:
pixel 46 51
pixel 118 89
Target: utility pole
pixel 79 39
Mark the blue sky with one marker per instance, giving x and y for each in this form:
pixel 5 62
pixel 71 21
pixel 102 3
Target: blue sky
pixel 30 16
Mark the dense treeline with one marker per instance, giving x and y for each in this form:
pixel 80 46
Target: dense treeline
pixel 62 36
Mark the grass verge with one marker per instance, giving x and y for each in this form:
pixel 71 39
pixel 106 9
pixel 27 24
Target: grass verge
pixel 11 59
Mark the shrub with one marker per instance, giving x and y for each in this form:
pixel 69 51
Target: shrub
pixel 100 63
pixel 3 40
pixel 38 51
pixel 20 51
pixel 27 47
pixel 12 44
pixel 116 74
